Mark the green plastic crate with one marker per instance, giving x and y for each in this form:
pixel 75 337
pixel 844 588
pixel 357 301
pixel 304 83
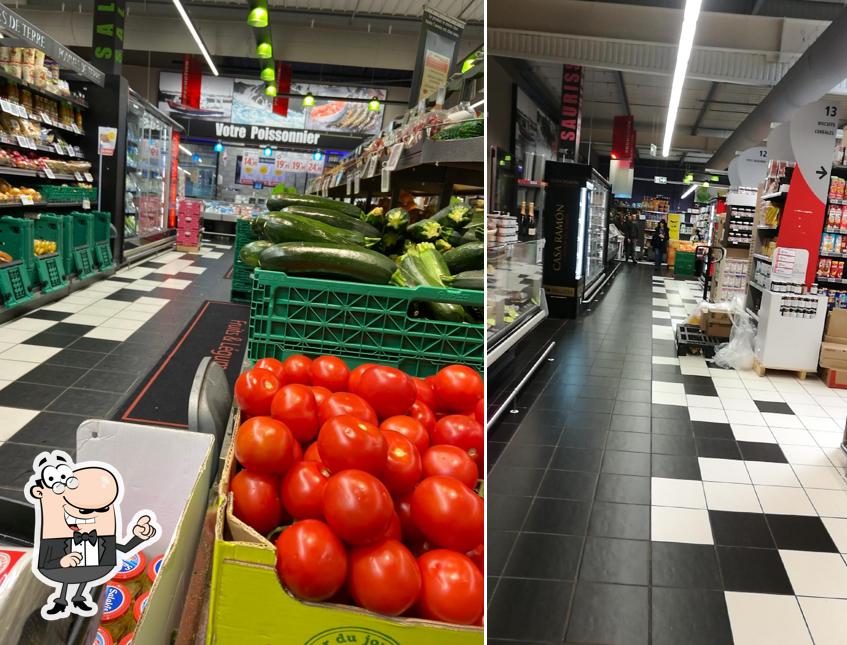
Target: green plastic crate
pixel 15 286
pixel 360 323
pixel 242 284
pixel 67 242
pixel 84 263
pixel 102 239
pixel 50 272
pixel 683 263
pixel 18 240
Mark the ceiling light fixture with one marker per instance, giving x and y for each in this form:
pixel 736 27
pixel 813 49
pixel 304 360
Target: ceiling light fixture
pixel 683 54
pixel 373 104
pixel 219 147
pixel 308 100
pixel 258 16
pixel 690 190
pixel 184 149
pixel 270 90
pixel 196 36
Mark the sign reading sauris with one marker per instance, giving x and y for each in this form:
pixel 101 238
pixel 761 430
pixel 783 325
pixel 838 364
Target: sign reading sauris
pixel 570 122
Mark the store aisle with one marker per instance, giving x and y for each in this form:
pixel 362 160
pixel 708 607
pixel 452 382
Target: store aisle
pixel 643 498
pixel 80 357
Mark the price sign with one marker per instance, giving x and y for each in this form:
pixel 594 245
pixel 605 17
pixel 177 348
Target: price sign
pixel 385 179
pixel 357 180
pixel 394 156
pixel 6 106
pixel 58 148
pixel 46 118
pixel 49 173
pixel 26 200
pixel 370 169
pixel 70 151
pixel 88 176
pixel 86 204
pixel 349 185
pixel 75 128
pixel 78 176
pixel 339 176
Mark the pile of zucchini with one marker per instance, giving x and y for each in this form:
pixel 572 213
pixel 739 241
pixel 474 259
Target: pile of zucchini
pixel 321 237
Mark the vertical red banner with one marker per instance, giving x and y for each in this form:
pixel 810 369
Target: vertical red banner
pixel 174 179
pixel 623 138
pixel 283 88
pixel 570 122
pixel 192 77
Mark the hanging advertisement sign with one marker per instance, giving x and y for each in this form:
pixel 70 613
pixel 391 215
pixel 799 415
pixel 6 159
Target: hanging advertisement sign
pixel 673 226
pixel 174 172
pixel 107 37
pixel 107 139
pixel 283 88
pixel 259 171
pixel 752 166
pixel 779 144
pixel 623 138
pixel 570 121
pixel 191 79
pixel 437 48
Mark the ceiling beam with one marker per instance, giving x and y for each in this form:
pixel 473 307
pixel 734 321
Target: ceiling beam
pixel 532 85
pixel 622 90
pixel 709 96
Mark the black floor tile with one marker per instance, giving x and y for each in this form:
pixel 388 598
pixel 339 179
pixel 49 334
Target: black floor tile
pixel 43 314
pixel 49 339
pixel 680 446
pixel 675 467
pixel 46 374
pixel 106 381
pixel 667 373
pixel 623 423
pixel 568 484
pixel 509 480
pixel 628 441
pixel 774 406
pixel 584 438
pixel 559 402
pixel 561 516
pixel 753 570
pixel 702 385
pixel 507 512
pixel 495 449
pixel 685 565
pixel 75 358
pixel 529 610
pixel 498 545
pixel 126 295
pixel 616 560
pixel 800 533
pixel 577 459
pixel 544 556
pixel 627 521
pixel 502 432
pixel 131 364
pixel 690 616
pixel 70 329
pixel 598 392
pixel 717 448
pixel 88 403
pixel 100 345
pixel 16 464
pixel 609 613
pixel 32 396
pixel 740 529
pixel 532 431
pixel 639 396
pixel 633 408
pixel 626 489
pixel 597 406
pixel 626 463
pixel 708 430
pixel 676 412
pixel 670 426
pixel 50 429
pixel 634 384
pixel 526 456
pixel 756 451
pixel 588 421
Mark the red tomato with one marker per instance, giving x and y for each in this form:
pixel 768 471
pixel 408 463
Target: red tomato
pixel 423 413
pixel 312 453
pixel 410 428
pixel 462 432
pixel 255 500
pixel 254 391
pixel 347 442
pixel 450 461
pixel 310 560
pixel 384 577
pixel 387 389
pixel 357 506
pixel 477 556
pixel 321 394
pixel 402 464
pixel 452 588
pixel 295 406
pixel 356 375
pixel 403 507
pixel 302 490
pixel 297 369
pixel 395 531
pixel 448 513
pixel 340 403
pixel 264 445
pixel 274 366
pixel 458 388
pixel 479 412
pixel 298 452
pixel 425 392
pixel 330 372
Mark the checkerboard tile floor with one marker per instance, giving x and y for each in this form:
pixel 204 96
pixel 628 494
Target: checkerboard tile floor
pixel 79 357
pixel 637 496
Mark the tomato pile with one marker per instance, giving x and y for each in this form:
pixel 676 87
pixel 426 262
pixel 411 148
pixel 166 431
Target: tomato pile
pixel 372 473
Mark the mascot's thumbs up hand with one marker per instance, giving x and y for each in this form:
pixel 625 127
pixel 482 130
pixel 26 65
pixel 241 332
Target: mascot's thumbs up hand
pixel 144 528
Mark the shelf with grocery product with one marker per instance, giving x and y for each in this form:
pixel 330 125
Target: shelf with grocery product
pixel 77 101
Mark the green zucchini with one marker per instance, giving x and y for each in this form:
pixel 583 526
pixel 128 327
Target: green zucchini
pixel 392 242
pixel 422 264
pixel 375 217
pixel 278 202
pixel 397 219
pixel 257 224
pixel 454 216
pixel 333 218
pixel 328 260
pixel 288 227
pixel 453 237
pixel 425 230
pixel 468 257
pixel 468 280
pixel 249 253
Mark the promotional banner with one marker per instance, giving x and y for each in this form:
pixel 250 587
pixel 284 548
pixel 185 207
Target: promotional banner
pixel 623 138
pixel 673 225
pixel 283 88
pixel 437 48
pixel 812 136
pixel 107 36
pixel 570 122
pixel 279 168
pixel 752 166
pixel 191 79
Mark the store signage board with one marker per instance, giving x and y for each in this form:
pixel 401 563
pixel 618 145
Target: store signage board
pixel 790 264
pixel 26 200
pixel 86 204
pixel 752 166
pixel 88 176
pixel 623 138
pixel 570 121
pixel 357 183
pixel 436 56
pixel 78 176
pixel 654 150
pixel 12 23
pixel 658 179
pixel 779 144
pixel 673 226
pixel 394 156
pixel 107 39
pixel 370 169
pixel 385 179
pixel 48 172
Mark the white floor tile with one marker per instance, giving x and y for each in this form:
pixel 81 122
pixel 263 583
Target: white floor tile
pixel 688 525
pixel 87 319
pixel 664 386
pixel 130 314
pixel 693 370
pixel 709 415
pixel 723 470
pixel 820 477
pixel 775 420
pixel 669 398
pixel 837 456
pixel 64 307
pixel 825 618
pixel 194 269
pixel 150 300
pixel 728 392
pixel 800 397
pixel 739 405
pixel 122 323
pixel 214 255
pixel 827 439
pixel 769 474
pixel 29 353
pixel 110 334
pixel 757 434
pixel 699 401
pixel 13 370
pixel 665 360
pixel 29 324
pixel 807 410
pixel 790 437
pixel 766 395
pixel 174 283
pixel 142 285
pixel 15 336
pixel 660 302
pixel 683 493
pixel 816 574
pixel 660 332
pixel 731 497
pixel 782 500
pixel 837 529
pixel 745 418
pixel 819 423
pixel 757 619
pixel 805 455
pixel 13 420
pixel 829 503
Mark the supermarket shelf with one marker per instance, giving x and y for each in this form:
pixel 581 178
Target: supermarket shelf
pixel 774 196
pixel 6 206
pixel 39 90
pixel 821 278
pixel 763 258
pixel 50 150
pixel 764 227
pixel 756 285
pixel 25 172
pixel 832 255
pixel 19 111
pixel 838 202
pixel 531 183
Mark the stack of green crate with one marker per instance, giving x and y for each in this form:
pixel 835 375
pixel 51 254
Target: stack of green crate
pixel 684 263
pixel 16 240
pixel 50 268
pixel 83 227
pixel 241 273
pixel 102 240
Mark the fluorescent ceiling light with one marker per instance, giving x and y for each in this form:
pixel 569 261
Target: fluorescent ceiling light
pixel 181 10
pixel 686 42
pixel 689 191
pixel 185 150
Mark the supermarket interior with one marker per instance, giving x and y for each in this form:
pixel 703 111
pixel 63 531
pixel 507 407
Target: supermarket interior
pixel 241 322
pixel 667 322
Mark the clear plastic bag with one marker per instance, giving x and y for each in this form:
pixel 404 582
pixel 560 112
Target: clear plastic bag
pixel 738 352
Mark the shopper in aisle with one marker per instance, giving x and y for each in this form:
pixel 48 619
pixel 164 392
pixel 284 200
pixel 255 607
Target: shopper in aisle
pixel 660 243
pixel 630 231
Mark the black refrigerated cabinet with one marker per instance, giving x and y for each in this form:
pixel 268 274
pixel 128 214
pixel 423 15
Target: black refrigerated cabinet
pixel 575 226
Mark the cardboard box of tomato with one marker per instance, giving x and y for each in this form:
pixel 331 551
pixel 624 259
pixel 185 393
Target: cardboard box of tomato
pixel 248 604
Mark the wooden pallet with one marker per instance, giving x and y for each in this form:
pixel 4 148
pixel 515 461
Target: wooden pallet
pixel 761 370
pixel 188 249
pixel 691 341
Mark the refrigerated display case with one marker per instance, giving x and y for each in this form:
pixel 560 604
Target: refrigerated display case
pixel 576 228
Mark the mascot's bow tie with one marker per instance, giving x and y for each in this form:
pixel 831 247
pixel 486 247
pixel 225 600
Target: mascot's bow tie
pixel 90 537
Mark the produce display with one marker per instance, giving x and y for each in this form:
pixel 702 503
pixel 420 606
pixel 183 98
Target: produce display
pixel 44 247
pixel 9 193
pixel 366 481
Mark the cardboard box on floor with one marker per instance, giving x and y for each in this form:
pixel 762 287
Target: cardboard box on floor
pixel 716 323
pixel 169 472
pixel 248 604
pixel 834 345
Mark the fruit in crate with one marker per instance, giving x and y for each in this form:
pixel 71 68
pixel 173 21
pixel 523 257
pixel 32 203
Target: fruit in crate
pixel 5 258
pixel 44 247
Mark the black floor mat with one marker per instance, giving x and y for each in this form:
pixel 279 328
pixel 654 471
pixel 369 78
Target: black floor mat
pixel 218 329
